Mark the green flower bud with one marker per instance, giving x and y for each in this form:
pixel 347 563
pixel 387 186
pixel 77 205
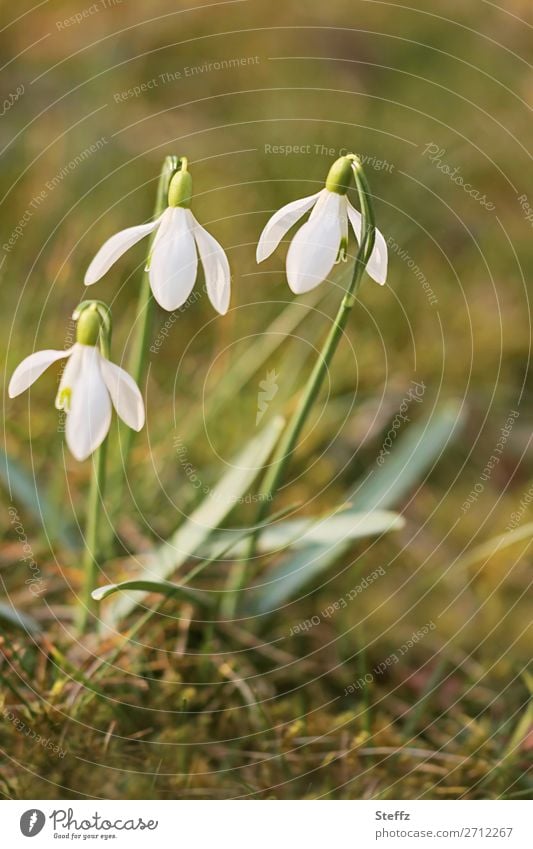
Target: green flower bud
pixel 340 175
pixel 88 327
pixel 180 189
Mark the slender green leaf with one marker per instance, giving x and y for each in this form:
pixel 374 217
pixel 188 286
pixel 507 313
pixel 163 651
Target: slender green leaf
pixel 163 587
pixel 410 457
pixel 168 588
pixel 345 524
pixel 11 617
pixel 233 485
pixel 495 545
pixel 23 488
pixel 287 579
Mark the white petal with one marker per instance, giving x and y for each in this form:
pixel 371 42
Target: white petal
pixel 314 249
pixel 377 264
pixel 69 377
pixel 174 262
pixel 125 394
pixel 89 416
pixel 165 224
pixel 32 367
pixel 216 268
pixel 115 247
pixel 280 223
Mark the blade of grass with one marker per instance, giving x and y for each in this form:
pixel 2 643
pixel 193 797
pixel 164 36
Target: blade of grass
pixel 495 545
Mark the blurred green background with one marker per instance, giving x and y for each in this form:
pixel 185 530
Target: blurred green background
pixel 262 98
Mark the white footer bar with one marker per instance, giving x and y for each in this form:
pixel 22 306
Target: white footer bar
pixel 268 824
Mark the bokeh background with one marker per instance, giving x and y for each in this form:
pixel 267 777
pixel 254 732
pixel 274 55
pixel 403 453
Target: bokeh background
pixel 262 98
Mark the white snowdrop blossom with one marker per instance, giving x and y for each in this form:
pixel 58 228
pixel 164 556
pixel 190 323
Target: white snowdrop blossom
pixel 323 239
pixel 89 385
pixel 173 263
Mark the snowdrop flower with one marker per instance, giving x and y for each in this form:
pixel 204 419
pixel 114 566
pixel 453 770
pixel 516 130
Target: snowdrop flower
pixel 323 239
pixel 173 262
pixel 89 385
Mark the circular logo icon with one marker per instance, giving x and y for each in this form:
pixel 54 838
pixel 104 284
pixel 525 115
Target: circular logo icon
pixel 32 822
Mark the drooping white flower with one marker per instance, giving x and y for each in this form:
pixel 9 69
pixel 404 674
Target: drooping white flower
pixel 322 240
pixel 89 385
pixel 173 263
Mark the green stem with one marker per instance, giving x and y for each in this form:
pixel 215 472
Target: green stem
pixel 145 305
pixel 92 553
pixel 275 474
pixel 93 538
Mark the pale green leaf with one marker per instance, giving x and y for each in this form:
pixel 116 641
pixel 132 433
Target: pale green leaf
pixel 186 541
pixel 11 617
pixel 413 454
pixel 162 587
pixel 286 580
pixel 345 524
pixel 23 488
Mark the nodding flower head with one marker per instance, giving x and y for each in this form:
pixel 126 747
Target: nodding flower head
pixel 89 386
pixel 173 262
pixel 323 239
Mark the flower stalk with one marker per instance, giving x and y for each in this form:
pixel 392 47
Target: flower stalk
pixel 88 314
pixel 145 306
pixel 145 309
pixel 276 472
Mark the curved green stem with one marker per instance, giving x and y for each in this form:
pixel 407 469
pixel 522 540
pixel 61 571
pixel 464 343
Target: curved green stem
pixel 275 474
pixel 145 305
